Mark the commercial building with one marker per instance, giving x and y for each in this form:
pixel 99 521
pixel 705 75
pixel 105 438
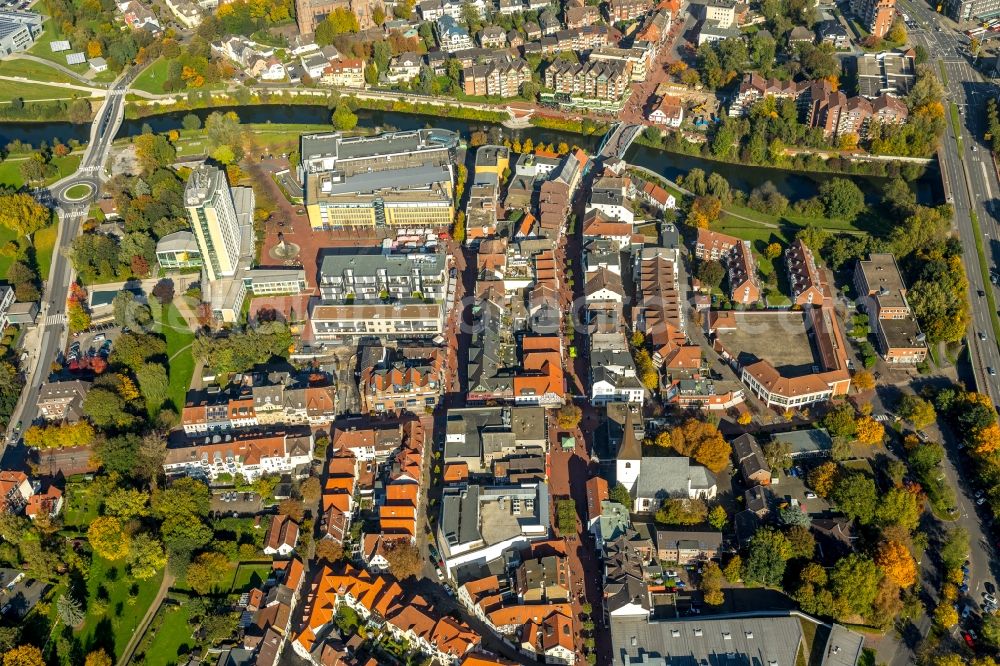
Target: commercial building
pixel 18 30
pixel 342 322
pixel 399 179
pixel 788 359
pixel 384 276
pixel 480 436
pixel 478 523
pixel 309 13
pixel 402 378
pixel 658 313
pixel 213 216
pixel 890 72
pixel 882 293
pixel 178 251
pixel 968 10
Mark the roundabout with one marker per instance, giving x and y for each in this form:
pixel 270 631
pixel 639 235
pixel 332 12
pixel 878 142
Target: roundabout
pixel 78 192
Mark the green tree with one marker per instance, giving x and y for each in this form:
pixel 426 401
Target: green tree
pixel 105 408
pixel 842 198
pixel 710 273
pixel 676 511
pixel 154 385
pixel 793 515
pixel 854 581
pixel 147 557
pixel 185 497
pixel 802 541
pixel 69 610
pixel 718 518
pixel 129 312
pixel 839 421
pixel 620 494
pixel 132 350
pixel 127 503
pixel 917 411
pixel 770 551
pixel 899 506
pixel 191 122
pixel 855 495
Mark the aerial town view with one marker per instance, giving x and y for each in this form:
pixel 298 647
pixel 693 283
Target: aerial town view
pixel 496 332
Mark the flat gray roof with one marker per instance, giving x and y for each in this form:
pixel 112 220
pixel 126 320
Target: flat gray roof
pixel 375 263
pixel 717 641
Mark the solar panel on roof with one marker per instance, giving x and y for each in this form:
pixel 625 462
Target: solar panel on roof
pixel 76 59
pixel 60 46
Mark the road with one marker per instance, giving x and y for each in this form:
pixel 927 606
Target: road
pixel 72 212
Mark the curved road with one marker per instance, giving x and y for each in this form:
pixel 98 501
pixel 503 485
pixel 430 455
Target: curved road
pixel 72 213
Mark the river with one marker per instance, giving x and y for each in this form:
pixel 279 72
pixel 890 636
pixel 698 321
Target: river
pixel 793 184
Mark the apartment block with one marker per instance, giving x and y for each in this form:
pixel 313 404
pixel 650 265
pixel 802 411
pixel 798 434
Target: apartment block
pixel 602 80
pixel 744 283
pixel 803 275
pixel 883 294
pixel 404 378
pixel 380 277
pixel 502 79
pixel 875 15
pixel 251 454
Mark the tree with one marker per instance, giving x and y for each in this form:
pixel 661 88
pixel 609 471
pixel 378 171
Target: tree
pixel 77 317
pixel 566 516
pixel 129 312
pixel 153 151
pixel 704 211
pixel 311 489
pixel 98 658
pixel 897 31
pixel 164 291
pixel 404 559
pixel 710 273
pixel 793 515
pixel 343 118
pixel 842 198
pixel 916 410
pixel 869 431
pixel 901 507
pixel 619 493
pixel 840 422
pixel 191 122
pixel 773 251
pixel 677 511
pixel 734 569
pixel 778 455
pixel 991 629
pixel 945 616
pixel 329 551
pixel 718 518
pixel 133 349
pixel 147 557
pixel 185 497
pixel 69 610
pixel 770 551
pixel 292 508
pixel 897 563
pixel 105 408
pixel 108 538
pixel 22 214
pixel 855 495
pixel 863 380
pixel 823 477
pixel 854 582
pixel 802 541
pixel 126 503
pixel 207 571
pixel 23 655
pixel 711 584
pixel 568 417
pixel 699 440
pixel 224 155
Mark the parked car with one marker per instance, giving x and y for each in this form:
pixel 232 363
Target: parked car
pixel 968 640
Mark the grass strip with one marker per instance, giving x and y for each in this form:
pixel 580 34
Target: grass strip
pixel 984 271
pixel 956 125
pixel 944 73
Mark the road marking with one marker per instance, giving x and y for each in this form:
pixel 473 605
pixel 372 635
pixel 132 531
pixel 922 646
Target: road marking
pixel 55 319
pixel 986 181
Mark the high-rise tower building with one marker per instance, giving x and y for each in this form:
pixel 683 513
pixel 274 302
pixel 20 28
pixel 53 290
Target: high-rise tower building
pixel 210 205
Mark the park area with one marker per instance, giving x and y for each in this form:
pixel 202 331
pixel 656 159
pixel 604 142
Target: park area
pixel 179 336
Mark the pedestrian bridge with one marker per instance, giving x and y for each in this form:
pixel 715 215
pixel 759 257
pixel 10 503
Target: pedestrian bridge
pixel 617 141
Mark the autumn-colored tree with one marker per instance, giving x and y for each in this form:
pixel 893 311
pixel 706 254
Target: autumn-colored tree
pixel 734 569
pixel 292 508
pixel 869 431
pixel 329 550
pixel 568 417
pixel 822 478
pixel 59 435
pixel 745 419
pixel 108 538
pixel 773 251
pixel 698 440
pixel 711 584
pixel 404 559
pixel 946 616
pixel 987 440
pixel 93 49
pixel 682 511
pixel 77 317
pixel 897 563
pixel 863 380
pixel 98 658
pixel 847 141
pixel 22 214
pixel 207 571
pixel 704 211
pixel 948 660
pixel 23 655
pixel 677 67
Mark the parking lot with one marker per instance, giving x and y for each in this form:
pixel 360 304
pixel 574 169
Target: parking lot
pixel 95 342
pixel 792 486
pixel 235 502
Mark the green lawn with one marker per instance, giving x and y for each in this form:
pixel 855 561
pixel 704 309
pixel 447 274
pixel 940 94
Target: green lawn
pixel 42 48
pixel 82 505
pixel 78 191
pixel 275 137
pixel 152 78
pixel 10 90
pixel 10 169
pixel 171 639
pixel 179 337
pixel 248 576
pixel 36 71
pixel 45 245
pixel 112 626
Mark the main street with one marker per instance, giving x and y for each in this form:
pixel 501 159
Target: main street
pixel 51 337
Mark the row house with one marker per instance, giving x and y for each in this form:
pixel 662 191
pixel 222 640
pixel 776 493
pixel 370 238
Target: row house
pixel 381 602
pixel 432 10
pixel 401 505
pixel 604 80
pixel 366 440
pixel 658 313
pixel 497 79
pixel 517 6
pixel 744 284
pixel 837 115
pixel 803 275
pixel 598 225
pixel 581 17
pixel 397 379
pixel 627 10
pixel 612 371
pixel 345 73
pixel 263 405
pixel 250 454
pixel 339 487
pixel 19 494
pixel 492 37
pixel 882 292
pixel 267 611
pixel 541 378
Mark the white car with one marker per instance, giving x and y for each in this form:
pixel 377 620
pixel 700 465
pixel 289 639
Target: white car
pixel 810 495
